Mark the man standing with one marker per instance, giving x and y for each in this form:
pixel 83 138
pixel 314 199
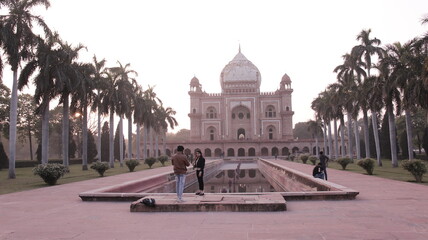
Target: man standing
pixel 180 163
pixel 324 161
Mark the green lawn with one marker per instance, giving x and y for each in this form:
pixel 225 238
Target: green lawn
pixel 386 171
pixel 25 179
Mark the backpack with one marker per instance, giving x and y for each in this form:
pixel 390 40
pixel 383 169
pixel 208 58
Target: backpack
pixel 149 202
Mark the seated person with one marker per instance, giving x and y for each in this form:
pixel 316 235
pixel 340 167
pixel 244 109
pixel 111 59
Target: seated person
pixel 318 171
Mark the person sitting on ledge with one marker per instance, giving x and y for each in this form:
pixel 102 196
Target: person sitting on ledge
pixel 318 171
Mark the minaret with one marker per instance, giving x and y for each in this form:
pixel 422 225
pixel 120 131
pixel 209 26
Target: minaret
pixel 195 114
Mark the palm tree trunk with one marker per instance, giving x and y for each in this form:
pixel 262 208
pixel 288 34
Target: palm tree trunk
pixel 164 143
pixel 409 133
pixel 342 134
pixel 121 141
pixel 336 141
pixel 65 131
pixel 392 137
pixel 12 125
pixel 325 139
pixel 111 139
pixel 137 132
pixel 366 134
pixel 357 139
pixel 329 140
pixel 31 144
pixel 156 145
pixel 99 136
pixel 350 152
pixel 151 143
pixel 130 137
pixel 85 139
pixel 316 147
pixel 45 135
pixel 146 133
pixel 376 138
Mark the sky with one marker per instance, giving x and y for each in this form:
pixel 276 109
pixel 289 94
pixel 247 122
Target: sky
pixel 168 42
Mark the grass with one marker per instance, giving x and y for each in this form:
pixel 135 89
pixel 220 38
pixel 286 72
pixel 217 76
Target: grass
pixel 386 171
pixel 26 180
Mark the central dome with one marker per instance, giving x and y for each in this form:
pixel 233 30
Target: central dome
pixel 240 74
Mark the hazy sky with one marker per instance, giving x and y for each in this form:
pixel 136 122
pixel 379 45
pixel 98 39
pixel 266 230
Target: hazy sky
pixel 168 42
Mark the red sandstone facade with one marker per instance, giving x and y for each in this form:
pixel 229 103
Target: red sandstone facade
pixel 242 121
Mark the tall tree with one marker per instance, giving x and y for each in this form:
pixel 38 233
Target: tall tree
pixel 126 97
pixel 99 80
pixel 18 40
pixel 391 98
pixel 105 143
pixel 83 96
pixel 27 120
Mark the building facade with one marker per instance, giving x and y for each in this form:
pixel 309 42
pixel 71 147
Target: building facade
pixel 241 120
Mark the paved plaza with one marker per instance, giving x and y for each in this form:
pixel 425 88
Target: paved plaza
pixel 384 209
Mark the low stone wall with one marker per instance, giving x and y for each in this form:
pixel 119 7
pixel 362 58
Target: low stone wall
pixel 300 186
pixel 161 183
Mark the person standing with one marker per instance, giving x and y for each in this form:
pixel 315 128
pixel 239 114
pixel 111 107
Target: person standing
pixel 180 163
pixel 199 167
pixel 324 162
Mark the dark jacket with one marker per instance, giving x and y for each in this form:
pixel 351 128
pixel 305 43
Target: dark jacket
pixel 180 163
pixel 317 170
pixel 199 163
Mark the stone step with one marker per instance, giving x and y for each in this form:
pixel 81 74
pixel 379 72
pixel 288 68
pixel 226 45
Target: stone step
pixel 213 202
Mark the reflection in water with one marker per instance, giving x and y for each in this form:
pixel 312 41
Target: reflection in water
pixel 236 178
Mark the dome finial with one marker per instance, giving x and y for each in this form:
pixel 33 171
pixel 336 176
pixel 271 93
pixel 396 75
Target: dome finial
pixel 239 49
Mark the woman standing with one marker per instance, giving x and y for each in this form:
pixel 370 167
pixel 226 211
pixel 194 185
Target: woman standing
pixel 199 166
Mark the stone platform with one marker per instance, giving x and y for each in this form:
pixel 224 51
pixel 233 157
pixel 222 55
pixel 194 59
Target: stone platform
pixel 212 202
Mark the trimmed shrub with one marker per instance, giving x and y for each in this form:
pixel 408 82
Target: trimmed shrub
pixel 100 167
pixel 304 158
pixel 131 164
pixel 313 159
pixel 50 172
pixel 150 161
pixel 292 158
pixel 416 167
pixel 344 162
pixel 367 164
pixel 163 159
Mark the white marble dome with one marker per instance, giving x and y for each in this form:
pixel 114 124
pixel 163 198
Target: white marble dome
pixel 240 72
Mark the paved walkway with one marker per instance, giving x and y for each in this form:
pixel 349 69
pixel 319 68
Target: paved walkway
pixel 384 209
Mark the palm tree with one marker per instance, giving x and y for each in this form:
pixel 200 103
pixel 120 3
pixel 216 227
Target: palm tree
pixel 126 97
pixel 406 68
pixel 315 128
pixel 375 101
pixel 46 62
pixel 350 75
pixel 164 118
pixel 108 101
pixel 148 114
pixel 391 97
pixel 82 97
pixel 366 50
pixel 100 84
pixel 68 79
pixel 18 40
pixel 140 109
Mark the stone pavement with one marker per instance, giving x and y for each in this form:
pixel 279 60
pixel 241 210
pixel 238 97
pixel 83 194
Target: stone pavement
pixel 384 209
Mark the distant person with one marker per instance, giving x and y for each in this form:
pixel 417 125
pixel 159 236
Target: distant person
pixel 324 163
pixel 180 163
pixel 318 171
pixel 199 165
